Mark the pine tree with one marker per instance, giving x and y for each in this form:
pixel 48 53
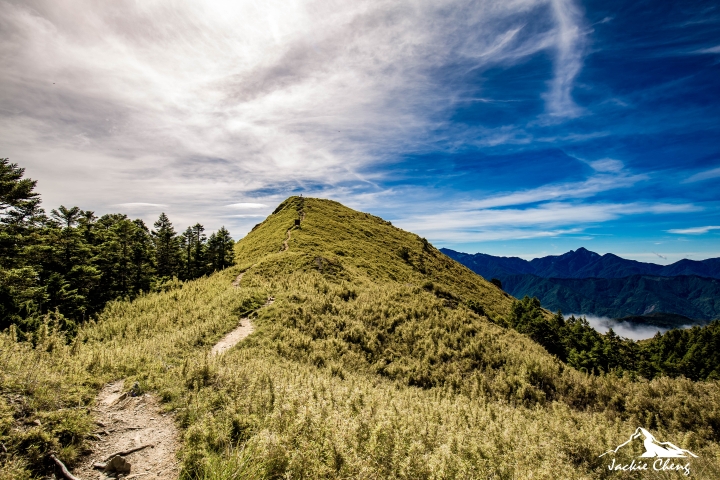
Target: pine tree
pixel 221 250
pixel 142 258
pixel 199 251
pixel 167 248
pixel 67 265
pixel 186 245
pixel 193 244
pixel 19 203
pixel 22 293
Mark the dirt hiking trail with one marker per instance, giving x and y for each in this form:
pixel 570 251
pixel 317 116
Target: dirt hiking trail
pixel 135 438
pixel 124 424
pixel 244 328
pixel 285 245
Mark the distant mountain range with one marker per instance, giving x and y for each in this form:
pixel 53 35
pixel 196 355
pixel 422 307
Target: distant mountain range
pixel 580 263
pixel 584 282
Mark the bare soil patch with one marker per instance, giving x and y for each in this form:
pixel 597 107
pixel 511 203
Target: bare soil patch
pixel 125 423
pixel 244 328
pixel 285 245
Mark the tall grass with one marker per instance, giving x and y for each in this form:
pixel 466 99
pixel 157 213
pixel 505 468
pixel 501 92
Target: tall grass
pixel 378 359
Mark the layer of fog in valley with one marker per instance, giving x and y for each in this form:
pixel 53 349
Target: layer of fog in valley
pixel 623 329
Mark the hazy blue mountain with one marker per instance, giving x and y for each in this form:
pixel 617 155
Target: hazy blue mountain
pixel 581 281
pixel 580 263
pixel 688 295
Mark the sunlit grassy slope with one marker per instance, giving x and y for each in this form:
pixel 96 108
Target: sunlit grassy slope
pixel 378 359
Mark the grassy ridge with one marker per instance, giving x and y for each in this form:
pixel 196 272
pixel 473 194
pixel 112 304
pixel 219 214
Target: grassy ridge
pixel 377 360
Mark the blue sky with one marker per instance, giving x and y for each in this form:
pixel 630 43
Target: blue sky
pixel 512 128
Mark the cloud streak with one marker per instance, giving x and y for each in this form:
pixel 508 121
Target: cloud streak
pixel 706 175
pixel 694 230
pixel 200 102
pixel 550 219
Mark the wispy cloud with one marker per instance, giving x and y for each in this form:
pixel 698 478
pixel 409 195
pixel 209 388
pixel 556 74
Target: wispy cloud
pixel 569 49
pixel 598 183
pixel 710 50
pixel 694 230
pixel 175 99
pixel 139 205
pixel 706 175
pixel 243 205
pixel 546 220
pixel 607 165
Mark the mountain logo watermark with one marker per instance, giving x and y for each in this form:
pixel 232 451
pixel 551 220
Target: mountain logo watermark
pixel 664 454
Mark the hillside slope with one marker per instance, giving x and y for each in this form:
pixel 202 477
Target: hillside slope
pixel 379 358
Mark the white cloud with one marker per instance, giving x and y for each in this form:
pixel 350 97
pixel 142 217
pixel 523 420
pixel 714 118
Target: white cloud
pixel 623 329
pixel 569 46
pixel 694 230
pixel 546 220
pixel 607 165
pixel 139 205
pixel 195 104
pixel 715 49
pixel 242 205
pixel 706 175
pixel 562 191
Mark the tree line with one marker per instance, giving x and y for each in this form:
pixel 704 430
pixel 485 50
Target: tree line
pixel 73 262
pixel 693 352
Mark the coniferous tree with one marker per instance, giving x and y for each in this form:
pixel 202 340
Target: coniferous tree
pixel 186 244
pixel 143 270
pixel 19 203
pixel 167 248
pixel 74 262
pixel 67 266
pixel 193 244
pixel 21 290
pixel 199 250
pixel 86 224
pixel 221 250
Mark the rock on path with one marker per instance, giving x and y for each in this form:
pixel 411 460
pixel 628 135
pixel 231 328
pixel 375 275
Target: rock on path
pixel 125 422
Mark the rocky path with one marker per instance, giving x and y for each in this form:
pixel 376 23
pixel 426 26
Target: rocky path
pixel 137 428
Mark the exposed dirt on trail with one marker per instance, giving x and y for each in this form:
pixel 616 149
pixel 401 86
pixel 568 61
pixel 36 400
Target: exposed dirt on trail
pixel 236 282
pixel 285 243
pixel 126 422
pixel 244 328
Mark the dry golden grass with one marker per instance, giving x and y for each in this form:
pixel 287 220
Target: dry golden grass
pixel 368 365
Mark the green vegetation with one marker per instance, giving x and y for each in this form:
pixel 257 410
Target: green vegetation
pixel 609 286
pixel 380 358
pixel 74 263
pixel 693 353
